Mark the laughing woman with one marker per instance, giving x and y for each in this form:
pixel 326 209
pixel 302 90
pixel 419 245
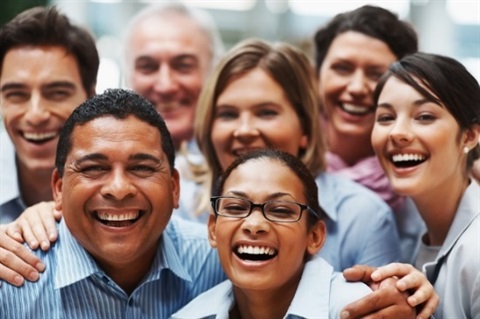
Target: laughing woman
pixel 352 51
pixel 267 227
pixel 426 137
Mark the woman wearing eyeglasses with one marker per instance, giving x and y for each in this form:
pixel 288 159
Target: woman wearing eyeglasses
pixel 263 96
pixel 268 227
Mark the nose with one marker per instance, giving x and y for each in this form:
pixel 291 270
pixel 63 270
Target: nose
pixel 247 128
pixel 37 112
pixel 401 133
pixel 118 186
pixel 359 85
pixel 165 81
pixel 256 223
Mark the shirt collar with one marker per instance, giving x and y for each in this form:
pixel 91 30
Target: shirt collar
pixel 468 210
pixel 311 299
pixel 70 252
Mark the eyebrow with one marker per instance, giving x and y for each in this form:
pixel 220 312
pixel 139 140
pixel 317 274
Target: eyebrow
pixel 56 84
pixel 269 197
pixel 60 84
pixel 102 157
pixel 417 103
pixel 183 56
pixel 11 86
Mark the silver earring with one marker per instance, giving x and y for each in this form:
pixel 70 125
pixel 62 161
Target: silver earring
pixel 466 150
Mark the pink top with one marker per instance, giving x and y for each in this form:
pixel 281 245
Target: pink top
pixel 370 174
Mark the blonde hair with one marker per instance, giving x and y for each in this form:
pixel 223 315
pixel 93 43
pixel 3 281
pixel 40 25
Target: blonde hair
pixel 292 70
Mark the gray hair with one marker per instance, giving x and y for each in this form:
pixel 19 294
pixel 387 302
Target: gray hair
pixel 201 17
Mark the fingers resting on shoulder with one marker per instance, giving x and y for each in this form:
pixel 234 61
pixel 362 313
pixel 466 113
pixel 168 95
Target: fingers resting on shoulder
pixel 17 262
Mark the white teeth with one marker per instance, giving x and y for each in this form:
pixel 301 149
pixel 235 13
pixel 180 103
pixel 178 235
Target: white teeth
pixel 38 136
pixel 407 157
pixel 118 217
pixel 358 109
pixel 255 250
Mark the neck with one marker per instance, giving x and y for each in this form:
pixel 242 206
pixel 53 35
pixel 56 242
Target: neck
pixel 129 275
pixel 439 214
pixel 34 185
pixel 351 149
pixel 260 304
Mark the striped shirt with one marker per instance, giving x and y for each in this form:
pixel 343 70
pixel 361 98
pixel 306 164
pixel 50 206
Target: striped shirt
pixel 74 286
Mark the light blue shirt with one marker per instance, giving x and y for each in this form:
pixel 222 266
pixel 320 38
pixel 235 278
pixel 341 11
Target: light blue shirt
pixel 458 281
pixel 321 293
pixel 361 227
pixel 74 286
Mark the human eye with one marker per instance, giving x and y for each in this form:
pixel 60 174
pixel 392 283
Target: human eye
pixel 92 170
pixel 143 170
pixel 233 206
pixel 58 94
pixel 374 75
pixel 226 113
pixel 342 68
pixel 426 117
pixel 146 66
pixel 384 118
pixel 267 112
pixel 282 210
pixel 185 65
pixel 16 96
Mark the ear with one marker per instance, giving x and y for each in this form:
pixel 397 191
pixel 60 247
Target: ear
pixel 212 224
pixel 304 142
pixel 471 136
pixel 92 90
pixel 316 237
pixel 56 185
pixel 176 188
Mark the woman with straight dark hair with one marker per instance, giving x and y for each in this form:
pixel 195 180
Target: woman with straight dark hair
pixel 426 133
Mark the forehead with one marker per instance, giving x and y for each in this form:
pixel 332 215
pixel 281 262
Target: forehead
pixel 361 45
pixel 117 136
pixel 40 62
pixel 254 85
pixel 172 33
pixel 399 88
pixel 265 176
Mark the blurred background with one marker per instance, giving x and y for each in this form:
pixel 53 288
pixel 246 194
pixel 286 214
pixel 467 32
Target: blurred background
pixel 450 27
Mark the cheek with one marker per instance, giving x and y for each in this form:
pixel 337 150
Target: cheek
pixel 331 83
pixel 191 82
pixel 65 111
pixel 378 137
pixel 11 113
pixel 223 233
pixel 220 134
pixel 140 82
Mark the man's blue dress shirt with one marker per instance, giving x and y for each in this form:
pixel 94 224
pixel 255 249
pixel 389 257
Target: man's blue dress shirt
pixel 74 286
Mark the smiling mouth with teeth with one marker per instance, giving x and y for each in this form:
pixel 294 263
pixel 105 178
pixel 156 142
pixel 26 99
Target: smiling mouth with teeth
pixel 356 109
pixel 39 138
pixel 408 160
pixel 255 253
pixel 118 220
